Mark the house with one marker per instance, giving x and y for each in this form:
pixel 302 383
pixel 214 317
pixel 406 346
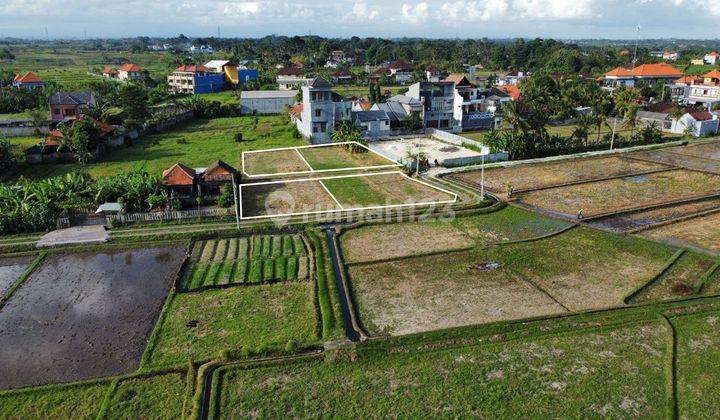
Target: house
pixel 203 49
pixel 341 77
pixel 372 124
pixel 185 182
pixel 437 100
pixel 432 74
pixel 512 78
pixel 711 58
pixel 291 78
pixel 706 90
pixel 338 56
pixel 322 110
pixel 469 107
pixel 215 177
pixel 195 80
pixel 28 80
pixel 396 112
pixel 295 113
pixel 512 91
pixel 693 122
pixel 646 73
pixel 70 105
pixel 110 73
pixel 266 101
pixel 232 74
pixel 132 72
pixel 624 53
pixel 680 88
pixel 671 56
pixel 401 70
pixel 181 180
pixel 361 105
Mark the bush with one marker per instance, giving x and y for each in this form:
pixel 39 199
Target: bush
pixel 291 346
pixel 238 137
pixel 226 198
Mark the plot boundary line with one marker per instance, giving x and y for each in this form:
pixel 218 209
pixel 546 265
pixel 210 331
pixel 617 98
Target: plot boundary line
pixel 331 194
pixel 394 163
pixel 343 209
pixel 304 160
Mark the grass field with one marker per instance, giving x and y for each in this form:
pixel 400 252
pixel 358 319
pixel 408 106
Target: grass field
pixel 616 194
pixel 551 377
pixel 701 232
pixel 361 91
pixel 680 280
pixel 543 175
pixel 59 402
pixel 626 222
pixel 697 365
pixel 201 325
pixel 197 145
pixel 156 397
pixel 339 157
pixel 247 260
pixel 677 159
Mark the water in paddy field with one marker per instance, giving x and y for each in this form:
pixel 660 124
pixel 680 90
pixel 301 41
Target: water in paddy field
pixel 637 179
pixel 11 270
pixel 84 315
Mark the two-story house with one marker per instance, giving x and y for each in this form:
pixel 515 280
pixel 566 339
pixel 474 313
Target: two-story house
pixel 438 100
pixel 705 90
pixel 70 105
pixel 131 72
pixel 195 80
pixel 322 109
pixel 648 74
pixel 401 70
pixel 290 78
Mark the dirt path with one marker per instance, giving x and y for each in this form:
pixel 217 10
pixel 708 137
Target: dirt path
pixel 350 331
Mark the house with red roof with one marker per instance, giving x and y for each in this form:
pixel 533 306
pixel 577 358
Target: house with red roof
pixel 697 90
pixel 110 73
pixel 195 80
pixel 132 72
pixel 28 80
pixel 646 73
pixel 432 73
pixel 402 70
pixel 341 77
pixel 291 78
pixel 711 58
pixel 185 182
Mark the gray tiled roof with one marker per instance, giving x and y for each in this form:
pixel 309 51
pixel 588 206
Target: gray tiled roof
pixel 72 98
pixel 367 116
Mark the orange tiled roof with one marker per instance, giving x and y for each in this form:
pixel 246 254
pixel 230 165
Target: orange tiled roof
pixel 296 110
pixel 712 75
pixel 513 91
pixel 659 69
pixel 687 80
pixel 28 77
pixel 109 70
pixel 179 175
pixel 713 54
pixel 131 67
pixel 192 69
pixel 619 72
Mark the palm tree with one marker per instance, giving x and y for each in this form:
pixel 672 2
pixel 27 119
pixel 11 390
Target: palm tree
pixel 676 113
pixel 512 114
pixel 39 119
pixel 631 118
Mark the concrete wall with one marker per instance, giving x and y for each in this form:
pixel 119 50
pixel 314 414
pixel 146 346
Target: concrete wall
pixel 21 131
pixel 459 141
pixel 265 105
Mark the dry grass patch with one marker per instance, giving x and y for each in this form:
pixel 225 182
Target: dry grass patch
pixel 681 160
pixel 442 291
pixel 710 150
pixel 547 174
pixel 381 242
pixel 702 232
pixel 339 157
pixel 285 198
pixel 680 280
pixel 617 194
pixel 626 222
pixel 275 162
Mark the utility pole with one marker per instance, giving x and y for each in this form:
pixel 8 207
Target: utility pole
pixel 637 41
pixel 482 178
pixel 612 139
pixel 237 202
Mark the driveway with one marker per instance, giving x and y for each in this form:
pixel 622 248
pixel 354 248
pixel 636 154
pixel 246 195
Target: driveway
pixel 74 236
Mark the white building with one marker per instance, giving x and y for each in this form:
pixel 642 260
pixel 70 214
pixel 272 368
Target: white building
pixel 711 58
pixel 322 109
pixel 266 101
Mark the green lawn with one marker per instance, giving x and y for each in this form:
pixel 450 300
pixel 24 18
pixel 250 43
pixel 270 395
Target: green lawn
pixel 338 157
pixel 197 145
pixel 567 131
pixel 226 97
pixel 360 91
pixel 58 402
pixel 611 374
pixel 155 397
pixel 698 365
pixel 255 317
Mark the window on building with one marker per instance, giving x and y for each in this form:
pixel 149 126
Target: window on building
pixel 56 111
pixel 318 112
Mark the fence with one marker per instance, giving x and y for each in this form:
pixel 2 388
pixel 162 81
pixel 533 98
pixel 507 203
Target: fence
pixel 169 215
pixel 464 142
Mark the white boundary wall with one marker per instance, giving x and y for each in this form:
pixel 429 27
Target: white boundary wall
pixel 310 170
pixel 341 208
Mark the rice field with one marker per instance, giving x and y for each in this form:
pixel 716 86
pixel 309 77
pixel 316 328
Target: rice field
pixel 244 260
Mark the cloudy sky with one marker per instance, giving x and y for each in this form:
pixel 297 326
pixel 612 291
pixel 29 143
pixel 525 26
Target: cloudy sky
pixel 345 18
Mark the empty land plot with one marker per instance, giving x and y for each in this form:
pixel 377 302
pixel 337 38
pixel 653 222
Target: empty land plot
pixel 701 232
pixel 84 315
pixel 151 397
pixel 77 401
pixel 388 189
pixel 668 157
pixel 523 177
pixel 386 241
pixel 626 222
pixel 277 199
pixel 698 365
pixel 256 259
pixel 11 269
pixel 538 377
pixel 587 269
pixel 335 157
pixel 709 150
pixel 272 162
pixel 680 280
pixel 202 324
pixel 442 291
pixel 623 193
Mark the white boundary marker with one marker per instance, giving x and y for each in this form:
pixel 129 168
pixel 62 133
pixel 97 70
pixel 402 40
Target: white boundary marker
pixel 394 164
pixel 342 209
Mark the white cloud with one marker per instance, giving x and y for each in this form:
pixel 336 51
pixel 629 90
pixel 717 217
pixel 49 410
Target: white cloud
pixel 361 13
pixel 516 10
pixel 415 14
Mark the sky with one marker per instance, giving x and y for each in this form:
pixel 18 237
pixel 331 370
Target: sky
pixel 562 19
